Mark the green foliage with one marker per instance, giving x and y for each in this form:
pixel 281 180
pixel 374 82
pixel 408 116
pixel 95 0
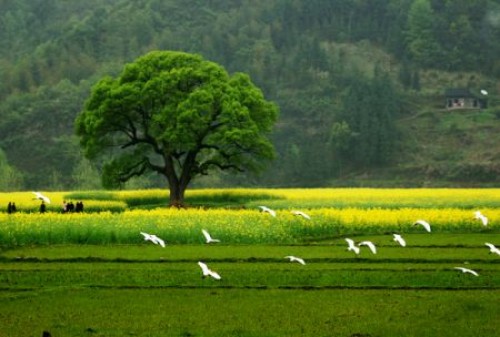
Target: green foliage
pixel 221 198
pixel 340 135
pixel 86 176
pixel 370 108
pixel 415 83
pixel 405 76
pixel 422 43
pixel 10 178
pixel 300 53
pixel 35 134
pixel 228 199
pixel 91 195
pixel 481 172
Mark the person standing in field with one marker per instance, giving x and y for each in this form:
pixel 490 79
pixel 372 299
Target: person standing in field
pixel 43 208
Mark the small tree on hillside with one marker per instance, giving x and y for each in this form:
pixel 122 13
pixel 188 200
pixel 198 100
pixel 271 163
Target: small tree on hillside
pixel 10 178
pixel 178 115
pixel 370 108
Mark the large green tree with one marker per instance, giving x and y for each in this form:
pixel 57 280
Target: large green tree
pixel 179 115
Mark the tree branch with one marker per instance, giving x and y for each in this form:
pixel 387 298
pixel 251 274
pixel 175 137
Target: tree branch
pixel 203 168
pixel 135 170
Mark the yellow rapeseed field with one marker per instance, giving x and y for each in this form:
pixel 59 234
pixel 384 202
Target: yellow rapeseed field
pixel 443 208
pixel 27 202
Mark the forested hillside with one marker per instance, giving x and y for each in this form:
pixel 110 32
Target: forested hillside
pixel 360 84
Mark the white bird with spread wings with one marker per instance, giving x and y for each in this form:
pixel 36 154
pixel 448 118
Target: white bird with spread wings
pixel 154 239
pixel 352 246
pixel 399 239
pixel 493 249
pixel 302 214
pixel 42 197
pixel 296 259
pixel 370 245
pixel 479 216
pixel 467 270
pixel 267 210
pixel 208 237
pixel 424 224
pixel 208 272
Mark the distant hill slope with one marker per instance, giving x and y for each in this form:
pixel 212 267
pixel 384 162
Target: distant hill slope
pixel 307 56
pixel 458 146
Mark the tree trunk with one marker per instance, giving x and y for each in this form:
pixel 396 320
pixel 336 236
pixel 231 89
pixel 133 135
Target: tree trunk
pixel 178 184
pixel 176 195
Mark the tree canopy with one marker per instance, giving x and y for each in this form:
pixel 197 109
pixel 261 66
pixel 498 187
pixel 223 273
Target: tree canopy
pixel 178 115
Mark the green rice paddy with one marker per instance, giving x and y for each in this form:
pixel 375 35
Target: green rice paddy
pixel 131 287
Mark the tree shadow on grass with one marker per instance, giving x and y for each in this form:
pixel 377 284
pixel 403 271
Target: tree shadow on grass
pixel 210 199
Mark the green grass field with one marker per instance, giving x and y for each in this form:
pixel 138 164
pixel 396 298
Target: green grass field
pixel 94 275
pixel 251 312
pixel 145 290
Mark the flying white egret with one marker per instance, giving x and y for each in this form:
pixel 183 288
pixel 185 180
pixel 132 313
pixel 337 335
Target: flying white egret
pixel 268 210
pixel 493 249
pixel 207 271
pixel 208 238
pixel 154 239
pixel 302 214
pixel 467 270
pixel 157 241
pixel 478 215
pixel 399 239
pixel 40 196
pixel 352 246
pixel 295 259
pixel 484 92
pixel 370 245
pixel 423 223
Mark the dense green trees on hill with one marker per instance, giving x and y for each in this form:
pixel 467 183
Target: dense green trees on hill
pixel 333 67
pixel 373 135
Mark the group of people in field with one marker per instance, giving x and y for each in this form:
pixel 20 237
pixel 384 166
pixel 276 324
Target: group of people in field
pixel 68 207
pixel 11 207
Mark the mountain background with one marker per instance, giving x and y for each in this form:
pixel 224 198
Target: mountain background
pixel 360 85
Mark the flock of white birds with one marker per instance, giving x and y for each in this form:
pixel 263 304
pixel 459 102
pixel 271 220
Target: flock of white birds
pixel 352 246
pixel 399 239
